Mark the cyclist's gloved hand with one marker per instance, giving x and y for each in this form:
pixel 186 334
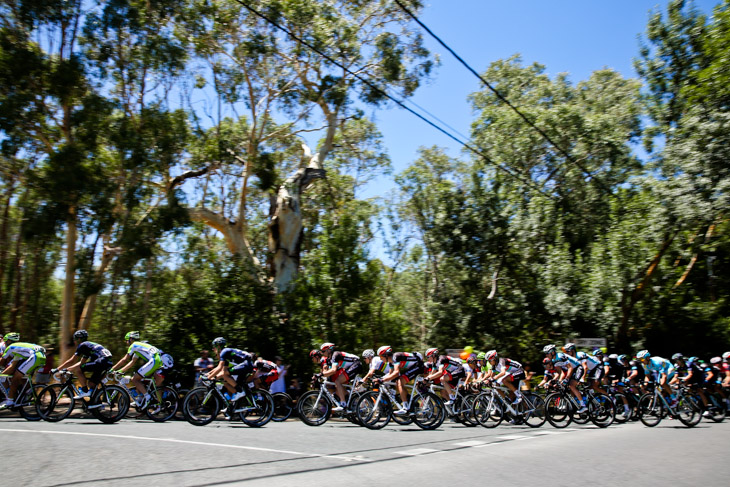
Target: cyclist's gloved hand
pixel 53 371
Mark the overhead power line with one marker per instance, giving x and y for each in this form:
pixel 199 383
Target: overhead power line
pixel 501 97
pixel 476 150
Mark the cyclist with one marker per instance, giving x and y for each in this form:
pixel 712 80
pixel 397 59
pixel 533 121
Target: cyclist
pixel 92 357
pixel 377 366
pixel 234 367
pixel 343 366
pixel 593 365
pixel 449 370
pixel 551 374
pixel 7 339
pixel 570 371
pixel 485 368
pixel 726 368
pixel 636 375
pixel 508 372
pixel 265 373
pixel 22 359
pixel 473 368
pixel 152 363
pixel 406 366
pixel 614 370
pixel 690 373
pixel 715 376
pixel 659 370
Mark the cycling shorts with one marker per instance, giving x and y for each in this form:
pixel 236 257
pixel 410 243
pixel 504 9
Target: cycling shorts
pixel 269 377
pixel 411 372
pixel 596 374
pixel 31 364
pixel 347 372
pixel 577 373
pixel 242 371
pixel 97 368
pixel 454 379
pixel 150 367
pixel 516 378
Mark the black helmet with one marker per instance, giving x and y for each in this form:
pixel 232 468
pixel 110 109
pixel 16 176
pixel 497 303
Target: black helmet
pixel 219 342
pixel 82 335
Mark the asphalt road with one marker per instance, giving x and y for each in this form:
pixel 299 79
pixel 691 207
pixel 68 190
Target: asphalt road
pixel 138 452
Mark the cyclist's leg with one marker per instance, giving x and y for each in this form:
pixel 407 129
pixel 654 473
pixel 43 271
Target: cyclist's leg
pixel 340 380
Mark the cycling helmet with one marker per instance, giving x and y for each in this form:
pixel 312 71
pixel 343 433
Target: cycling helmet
pixel 472 359
pixel 11 337
pixel 132 335
pixel 369 353
pixel 569 347
pixel 613 356
pixel 597 352
pixel 315 353
pixel 432 352
pixel 82 335
pixel 548 348
pixel 643 354
pixel 219 342
pixel 491 355
pixel 622 357
pixel 692 360
pixel 715 360
pixel 677 356
pixel 327 346
pixel 385 350
pixel 546 361
pixel 481 355
pixel 726 356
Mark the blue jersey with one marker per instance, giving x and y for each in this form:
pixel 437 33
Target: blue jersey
pixel 235 356
pixel 658 365
pixel 565 361
pixel 92 351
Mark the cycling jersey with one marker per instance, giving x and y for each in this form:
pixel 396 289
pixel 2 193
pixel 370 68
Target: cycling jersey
pixel 410 364
pixel 31 356
pixel 714 375
pixel 380 366
pixel 148 353
pixel 657 366
pixel 343 360
pixel 588 360
pixel 234 356
pixel 266 370
pixel 509 366
pixel 615 369
pixel 92 351
pixel 640 374
pixel 565 361
pixel 450 365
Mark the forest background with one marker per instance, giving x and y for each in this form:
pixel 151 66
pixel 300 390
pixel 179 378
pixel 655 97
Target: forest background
pixel 191 170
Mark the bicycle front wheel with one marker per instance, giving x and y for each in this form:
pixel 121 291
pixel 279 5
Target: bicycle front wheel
pixel 532 408
pixel 27 403
pixel 373 410
pixel 651 410
pixel 558 410
pixel 164 406
pixel 313 410
pixel 283 406
pixel 258 408
pixel 109 404
pixel 688 412
pixel 429 411
pixel 487 410
pixel 55 402
pixel 200 406
pixel 601 410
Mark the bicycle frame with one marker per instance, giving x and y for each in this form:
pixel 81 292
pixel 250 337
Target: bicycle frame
pixel 324 391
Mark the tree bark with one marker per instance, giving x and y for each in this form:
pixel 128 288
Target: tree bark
pixel 87 314
pixel 67 312
pixel 3 249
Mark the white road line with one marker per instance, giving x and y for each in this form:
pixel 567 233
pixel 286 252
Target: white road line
pixel 201 443
pixel 470 443
pixel 417 451
pixel 512 437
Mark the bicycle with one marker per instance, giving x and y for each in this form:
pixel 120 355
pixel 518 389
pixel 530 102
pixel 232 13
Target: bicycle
pixel 426 409
pixel 203 404
pixel 108 403
pixel 561 408
pixel 315 407
pixel 624 397
pixel 26 397
pixel 163 401
pixel 491 407
pixel 283 406
pixel 653 406
pixel 462 405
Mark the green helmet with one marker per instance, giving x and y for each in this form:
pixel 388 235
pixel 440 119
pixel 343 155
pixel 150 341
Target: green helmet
pixel 132 335
pixel 12 337
pixel 481 355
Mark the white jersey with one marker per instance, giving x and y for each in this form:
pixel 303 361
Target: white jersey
pixel 379 365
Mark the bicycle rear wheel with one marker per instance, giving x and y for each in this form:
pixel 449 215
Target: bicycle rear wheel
pixel 258 408
pixel 429 411
pixel 313 410
pixel 601 410
pixel 623 411
pixel 467 407
pixel 688 412
pixel 283 406
pixel 200 406
pixel 558 410
pixel 109 404
pixel 651 410
pixel 532 408
pixel 487 410
pixel 373 411
pixel 716 407
pixel 55 402
pixel 164 406
pixel 26 404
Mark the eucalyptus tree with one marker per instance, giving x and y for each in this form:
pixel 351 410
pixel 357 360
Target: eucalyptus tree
pixel 290 93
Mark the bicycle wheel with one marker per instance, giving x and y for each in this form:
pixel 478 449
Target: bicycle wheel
pixel 687 411
pixel 487 410
pixel 651 409
pixel 532 408
pixel 258 408
pixel 201 406
pixel 163 406
pixel 313 410
pixel 467 407
pixel 716 407
pixel 55 402
pixel 429 411
pixel 623 411
pixel 558 410
pixel 26 404
pixel 283 406
pixel 373 411
pixel 601 410
pixel 109 404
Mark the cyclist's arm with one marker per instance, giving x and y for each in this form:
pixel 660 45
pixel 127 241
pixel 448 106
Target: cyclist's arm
pixel 395 373
pixel 128 366
pixel 438 373
pixel 68 362
pixel 328 371
pixel 121 362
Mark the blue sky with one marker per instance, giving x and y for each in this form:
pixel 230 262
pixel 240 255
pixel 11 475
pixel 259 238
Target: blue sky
pixel 572 36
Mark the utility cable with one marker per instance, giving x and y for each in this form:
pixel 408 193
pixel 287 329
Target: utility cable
pixel 502 98
pixel 372 86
